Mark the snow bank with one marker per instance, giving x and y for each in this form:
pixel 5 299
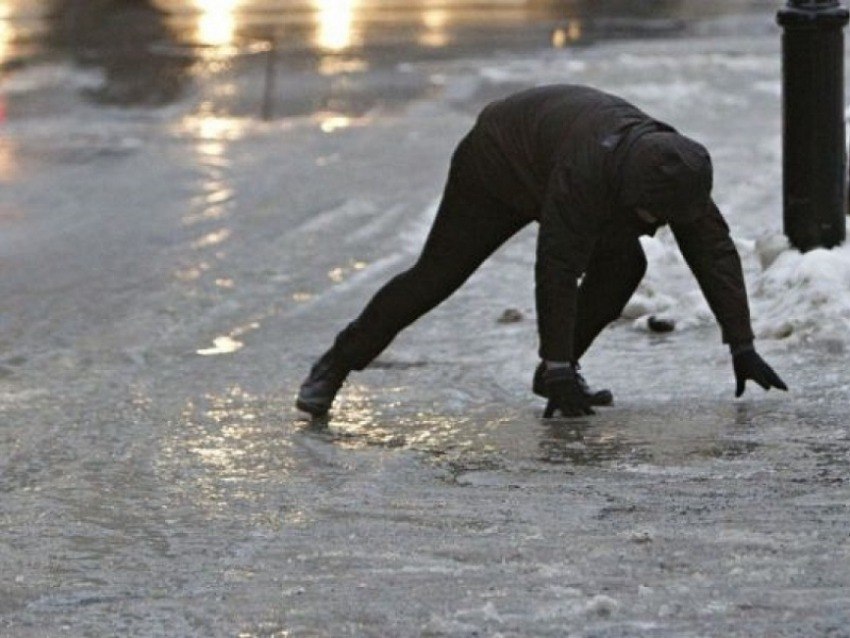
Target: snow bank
pixel 669 290
pixel 799 297
pixel 803 296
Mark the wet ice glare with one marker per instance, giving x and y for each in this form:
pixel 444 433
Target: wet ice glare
pixel 169 274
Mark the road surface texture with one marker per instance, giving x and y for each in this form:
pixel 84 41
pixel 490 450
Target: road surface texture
pixel 172 264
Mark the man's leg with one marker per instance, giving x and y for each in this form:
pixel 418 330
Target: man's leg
pixel 612 276
pixel 610 281
pixel 465 232
pixel 468 228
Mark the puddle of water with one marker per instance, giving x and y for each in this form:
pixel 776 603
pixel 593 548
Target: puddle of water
pixel 629 436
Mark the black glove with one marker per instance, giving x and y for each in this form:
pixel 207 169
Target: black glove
pixel 564 392
pixel 749 365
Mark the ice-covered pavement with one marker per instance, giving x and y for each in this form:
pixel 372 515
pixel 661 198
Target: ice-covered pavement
pixel 169 275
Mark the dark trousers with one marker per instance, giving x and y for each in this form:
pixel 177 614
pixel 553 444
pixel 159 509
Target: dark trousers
pixel 470 225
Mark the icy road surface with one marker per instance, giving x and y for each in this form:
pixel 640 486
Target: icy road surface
pixel 168 276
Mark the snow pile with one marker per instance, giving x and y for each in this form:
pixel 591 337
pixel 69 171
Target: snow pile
pixel 669 290
pixel 803 296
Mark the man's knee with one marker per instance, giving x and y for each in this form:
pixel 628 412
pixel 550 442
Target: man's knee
pixel 607 290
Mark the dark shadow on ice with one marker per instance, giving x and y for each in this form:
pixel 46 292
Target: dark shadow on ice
pixel 117 36
pixel 670 434
pixel 388 364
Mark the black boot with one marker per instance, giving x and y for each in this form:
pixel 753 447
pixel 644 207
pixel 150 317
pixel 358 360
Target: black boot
pixel 597 397
pixel 321 385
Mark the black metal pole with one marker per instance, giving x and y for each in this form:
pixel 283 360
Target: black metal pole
pixel 814 153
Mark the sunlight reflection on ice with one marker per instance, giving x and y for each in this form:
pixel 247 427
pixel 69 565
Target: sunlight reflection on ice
pixel 212 136
pixel 223 450
pixel 6 33
pixel 222 345
pixel 334 65
pixel 212 239
pixel 435 22
pixel 216 22
pixel 211 127
pixel 330 121
pixel 335 28
pixel 9 167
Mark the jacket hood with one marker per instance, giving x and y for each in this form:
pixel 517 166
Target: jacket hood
pixel 666 173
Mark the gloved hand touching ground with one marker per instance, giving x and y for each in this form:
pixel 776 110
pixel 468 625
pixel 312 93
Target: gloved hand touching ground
pixel 749 365
pixel 564 392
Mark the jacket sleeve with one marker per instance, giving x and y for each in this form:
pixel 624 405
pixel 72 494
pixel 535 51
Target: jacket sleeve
pixel 569 229
pixel 711 255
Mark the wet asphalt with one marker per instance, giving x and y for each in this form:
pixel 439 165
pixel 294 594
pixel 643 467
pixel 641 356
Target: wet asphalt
pixel 172 263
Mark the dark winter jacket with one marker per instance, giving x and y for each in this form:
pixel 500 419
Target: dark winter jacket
pixel 556 154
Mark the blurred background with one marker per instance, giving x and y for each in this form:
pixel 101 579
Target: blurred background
pixel 146 52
